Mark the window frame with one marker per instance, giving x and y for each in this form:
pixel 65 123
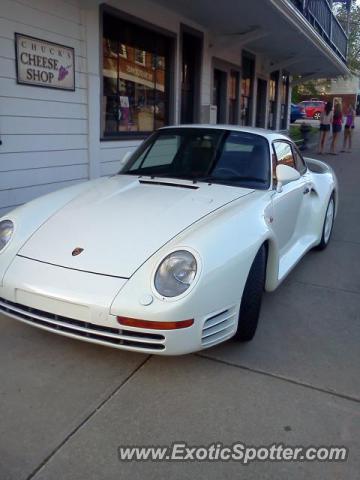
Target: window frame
pixel 141 62
pixel 226 68
pixel 199 35
pixel 297 151
pixel 123 52
pixel 273 101
pixel 170 80
pixel 247 95
pixel 285 100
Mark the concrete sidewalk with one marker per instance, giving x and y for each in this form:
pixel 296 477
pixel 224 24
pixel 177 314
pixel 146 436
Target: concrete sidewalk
pixel 66 406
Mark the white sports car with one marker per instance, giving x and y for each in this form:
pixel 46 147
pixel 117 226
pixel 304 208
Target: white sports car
pixel 172 254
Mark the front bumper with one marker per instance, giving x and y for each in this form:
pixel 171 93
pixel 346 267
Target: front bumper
pixel 78 305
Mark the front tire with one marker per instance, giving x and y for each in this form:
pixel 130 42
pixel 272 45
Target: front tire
pixel 317 116
pixel 251 298
pixel 328 225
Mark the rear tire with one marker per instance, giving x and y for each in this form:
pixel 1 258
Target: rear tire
pixel 317 116
pixel 251 298
pixel 328 224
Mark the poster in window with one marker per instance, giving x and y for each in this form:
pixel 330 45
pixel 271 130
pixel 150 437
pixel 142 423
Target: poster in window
pixel 124 102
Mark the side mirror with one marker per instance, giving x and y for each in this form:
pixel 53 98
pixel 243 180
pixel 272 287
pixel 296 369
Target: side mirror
pixel 124 159
pixel 284 175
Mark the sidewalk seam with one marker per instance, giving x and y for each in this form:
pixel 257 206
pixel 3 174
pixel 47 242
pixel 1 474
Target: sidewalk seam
pixel 318 285
pixel 353 242
pixel 86 419
pixel 282 378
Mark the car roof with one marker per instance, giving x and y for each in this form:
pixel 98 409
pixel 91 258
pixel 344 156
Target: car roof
pixel 268 134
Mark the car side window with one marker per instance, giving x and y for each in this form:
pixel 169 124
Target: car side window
pixel 245 157
pixel 299 161
pixel 284 154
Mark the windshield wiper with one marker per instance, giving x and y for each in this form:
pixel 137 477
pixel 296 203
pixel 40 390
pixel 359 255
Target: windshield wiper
pixel 166 184
pixel 167 175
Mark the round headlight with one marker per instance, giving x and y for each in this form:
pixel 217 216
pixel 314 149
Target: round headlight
pixel 6 231
pixel 175 273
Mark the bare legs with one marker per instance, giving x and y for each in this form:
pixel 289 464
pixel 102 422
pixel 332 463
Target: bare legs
pixel 322 141
pixel 347 139
pixel 334 142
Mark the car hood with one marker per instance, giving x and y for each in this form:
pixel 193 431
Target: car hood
pixel 121 222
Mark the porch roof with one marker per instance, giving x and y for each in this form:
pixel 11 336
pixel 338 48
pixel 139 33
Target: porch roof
pixel 274 28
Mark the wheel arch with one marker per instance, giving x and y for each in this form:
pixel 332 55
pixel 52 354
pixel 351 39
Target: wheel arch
pixel 272 264
pixel 335 195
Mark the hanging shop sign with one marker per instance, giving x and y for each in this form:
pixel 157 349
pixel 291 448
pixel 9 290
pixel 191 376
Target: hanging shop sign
pixel 45 64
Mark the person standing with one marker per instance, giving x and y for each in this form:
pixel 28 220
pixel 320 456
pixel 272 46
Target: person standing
pixel 336 127
pixel 348 130
pixel 326 120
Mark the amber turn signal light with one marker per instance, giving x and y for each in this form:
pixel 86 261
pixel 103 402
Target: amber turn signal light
pixel 133 322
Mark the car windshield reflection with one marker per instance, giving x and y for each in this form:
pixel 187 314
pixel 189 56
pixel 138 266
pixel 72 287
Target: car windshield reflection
pixel 233 158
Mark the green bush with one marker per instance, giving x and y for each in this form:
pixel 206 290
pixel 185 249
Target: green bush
pixel 295 133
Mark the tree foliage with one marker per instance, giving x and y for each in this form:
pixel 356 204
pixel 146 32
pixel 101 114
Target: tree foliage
pixel 310 89
pixel 354 33
pixel 314 88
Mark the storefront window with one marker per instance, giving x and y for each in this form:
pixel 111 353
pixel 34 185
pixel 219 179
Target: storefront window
pixel 122 51
pixel 245 101
pixel 273 87
pixel 233 97
pixel 247 78
pixel 135 78
pixel 285 84
pixel 140 57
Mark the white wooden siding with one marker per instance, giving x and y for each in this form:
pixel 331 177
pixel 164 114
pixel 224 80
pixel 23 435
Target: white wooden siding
pixel 22 195
pixel 8 26
pixel 38 14
pixel 16 125
pixel 111 154
pixel 44 132
pixel 10 162
pixel 29 108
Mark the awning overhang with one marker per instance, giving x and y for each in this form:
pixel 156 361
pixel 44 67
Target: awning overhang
pixel 273 28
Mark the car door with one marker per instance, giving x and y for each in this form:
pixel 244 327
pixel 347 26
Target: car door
pixel 303 224
pixel 311 109
pixel 287 201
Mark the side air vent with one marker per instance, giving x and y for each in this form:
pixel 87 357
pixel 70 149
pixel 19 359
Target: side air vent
pixel 219 326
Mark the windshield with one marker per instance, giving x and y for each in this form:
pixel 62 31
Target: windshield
pixel 208 155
